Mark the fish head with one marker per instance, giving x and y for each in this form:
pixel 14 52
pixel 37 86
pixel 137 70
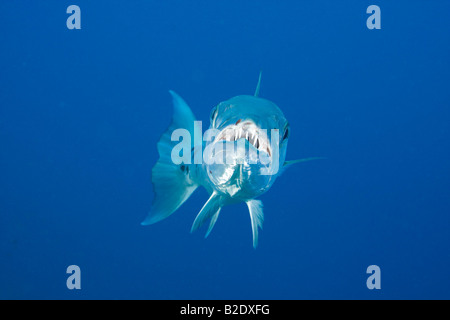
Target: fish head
pixel 248 147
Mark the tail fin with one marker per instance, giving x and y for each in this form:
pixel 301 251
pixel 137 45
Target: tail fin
pixel 171 184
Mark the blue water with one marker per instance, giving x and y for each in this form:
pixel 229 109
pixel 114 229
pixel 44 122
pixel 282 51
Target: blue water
pixel 81 112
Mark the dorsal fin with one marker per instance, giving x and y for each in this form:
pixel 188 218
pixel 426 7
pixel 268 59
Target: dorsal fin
pixel 258 85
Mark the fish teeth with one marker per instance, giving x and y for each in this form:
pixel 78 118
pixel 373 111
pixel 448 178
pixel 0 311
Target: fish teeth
pixel 250 132
pixel 231 134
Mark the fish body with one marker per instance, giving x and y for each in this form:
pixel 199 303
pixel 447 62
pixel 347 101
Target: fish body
pixel 239 158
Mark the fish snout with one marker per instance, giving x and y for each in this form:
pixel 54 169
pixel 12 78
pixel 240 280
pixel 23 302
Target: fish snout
pixel 238 169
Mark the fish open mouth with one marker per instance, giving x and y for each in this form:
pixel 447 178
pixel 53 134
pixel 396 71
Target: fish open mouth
pixel 249 131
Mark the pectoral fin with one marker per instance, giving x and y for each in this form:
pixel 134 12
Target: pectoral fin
pixel 287 164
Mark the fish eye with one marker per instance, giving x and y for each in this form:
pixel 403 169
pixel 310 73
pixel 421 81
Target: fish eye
pixel 286 133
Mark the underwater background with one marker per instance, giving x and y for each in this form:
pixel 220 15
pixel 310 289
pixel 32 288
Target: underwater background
pixel 81 112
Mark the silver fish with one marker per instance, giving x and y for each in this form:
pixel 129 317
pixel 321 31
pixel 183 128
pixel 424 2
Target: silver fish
pixel 248 125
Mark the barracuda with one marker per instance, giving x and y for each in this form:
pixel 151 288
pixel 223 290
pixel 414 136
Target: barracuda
pixel 251 136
